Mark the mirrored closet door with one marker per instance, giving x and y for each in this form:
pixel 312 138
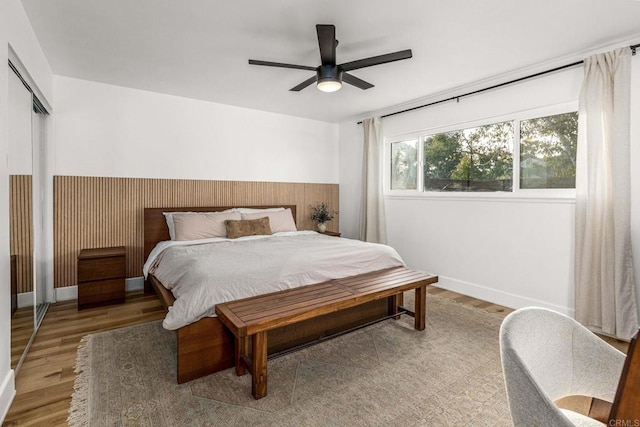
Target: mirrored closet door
pixel 25 130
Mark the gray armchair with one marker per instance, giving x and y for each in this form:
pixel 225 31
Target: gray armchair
pixel 547 356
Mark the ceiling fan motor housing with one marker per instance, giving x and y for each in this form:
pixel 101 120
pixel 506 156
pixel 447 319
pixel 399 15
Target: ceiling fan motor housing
pixel 329 73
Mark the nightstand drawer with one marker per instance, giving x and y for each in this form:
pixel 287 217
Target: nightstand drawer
pixel 101 268
pixel 99 293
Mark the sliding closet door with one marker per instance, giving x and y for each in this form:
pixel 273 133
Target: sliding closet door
pixel 37 138
pixel 27 174
pixel 20 164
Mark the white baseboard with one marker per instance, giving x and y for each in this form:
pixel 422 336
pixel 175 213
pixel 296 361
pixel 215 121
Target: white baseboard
pixel 71 292
pixel 7 393
pixel 134 284
pixel 25 299
pixel 498 297
pixel 66 293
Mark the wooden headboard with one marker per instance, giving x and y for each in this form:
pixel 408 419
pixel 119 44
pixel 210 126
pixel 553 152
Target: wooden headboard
pixel 155 226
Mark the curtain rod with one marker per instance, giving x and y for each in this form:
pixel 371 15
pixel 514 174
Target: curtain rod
pixel 457 97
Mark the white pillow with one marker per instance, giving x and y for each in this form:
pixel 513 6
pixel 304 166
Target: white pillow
pixel 253 210
pixel 168 217
pixel 280 220
pixel 202 225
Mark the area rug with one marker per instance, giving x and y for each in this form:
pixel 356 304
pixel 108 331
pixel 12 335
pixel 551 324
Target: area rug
pixel 387 374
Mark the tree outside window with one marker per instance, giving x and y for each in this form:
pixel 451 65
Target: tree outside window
pixel 474 159
pixel 548 151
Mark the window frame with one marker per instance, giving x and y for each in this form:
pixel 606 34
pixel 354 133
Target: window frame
pixel 538 194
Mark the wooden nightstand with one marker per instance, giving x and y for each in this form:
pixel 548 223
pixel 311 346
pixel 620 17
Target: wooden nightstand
pixel 101 274
pixel 331 233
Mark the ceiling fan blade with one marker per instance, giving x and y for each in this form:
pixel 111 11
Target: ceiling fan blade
pixel 303 84
pixel 280 64
pixel 327 43
pixel 377 60
pixel 353 80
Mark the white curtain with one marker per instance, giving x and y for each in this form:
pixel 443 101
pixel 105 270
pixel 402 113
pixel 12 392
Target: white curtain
pixel 372 220
pixel 605 297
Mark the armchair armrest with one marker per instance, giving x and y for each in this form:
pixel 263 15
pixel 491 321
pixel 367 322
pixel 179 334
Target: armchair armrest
pixel 596 366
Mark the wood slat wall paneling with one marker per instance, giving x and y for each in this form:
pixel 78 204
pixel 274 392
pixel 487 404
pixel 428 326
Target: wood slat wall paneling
pixel 21 229
pixel 93 212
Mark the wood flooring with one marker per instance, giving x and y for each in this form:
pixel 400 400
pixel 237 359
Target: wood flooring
pixel 44 383
pixel 21 331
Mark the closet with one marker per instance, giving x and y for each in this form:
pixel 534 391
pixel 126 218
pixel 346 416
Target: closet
pixel 26 165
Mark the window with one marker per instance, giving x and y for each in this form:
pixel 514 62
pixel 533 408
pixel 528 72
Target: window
pixel 474 159
pixel 481 158
pixel 548 151
pixel 404 167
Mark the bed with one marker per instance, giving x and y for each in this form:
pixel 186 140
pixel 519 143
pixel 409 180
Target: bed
pixel 206 345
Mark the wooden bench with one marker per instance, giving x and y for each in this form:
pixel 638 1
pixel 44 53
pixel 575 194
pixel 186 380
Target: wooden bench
pixel 251 318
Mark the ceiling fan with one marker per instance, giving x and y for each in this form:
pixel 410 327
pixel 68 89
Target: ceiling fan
pixel 329 76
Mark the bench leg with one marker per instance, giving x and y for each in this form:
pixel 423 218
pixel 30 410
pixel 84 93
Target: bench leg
pixel 240 351
pixel 420 317
pixel 259 365
pixel 395 301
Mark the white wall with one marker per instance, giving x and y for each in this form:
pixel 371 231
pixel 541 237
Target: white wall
pixel 515 252
pixel 104 130
pixel 15 31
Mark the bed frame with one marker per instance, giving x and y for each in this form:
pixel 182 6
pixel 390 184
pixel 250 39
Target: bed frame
pixel 207 346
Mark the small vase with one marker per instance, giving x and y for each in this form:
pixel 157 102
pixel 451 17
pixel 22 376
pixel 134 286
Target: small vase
pixel 322 227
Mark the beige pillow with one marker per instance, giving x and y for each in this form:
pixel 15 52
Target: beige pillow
pixel 168 216
pixel 279 220
pixel 194 226
pixel 253 227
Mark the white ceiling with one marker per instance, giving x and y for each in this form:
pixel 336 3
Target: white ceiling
pixel 199 48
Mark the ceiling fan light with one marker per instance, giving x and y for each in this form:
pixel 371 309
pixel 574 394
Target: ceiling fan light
pixel 329 85
pixel 329 78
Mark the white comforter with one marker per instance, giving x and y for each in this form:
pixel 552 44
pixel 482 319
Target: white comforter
pixel 207 272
